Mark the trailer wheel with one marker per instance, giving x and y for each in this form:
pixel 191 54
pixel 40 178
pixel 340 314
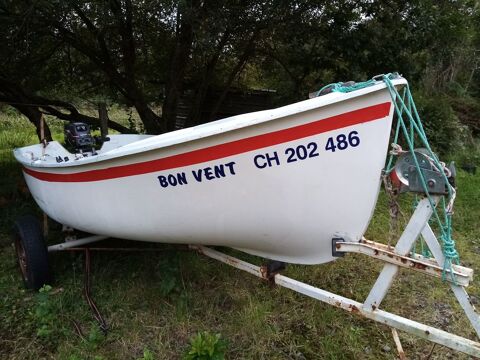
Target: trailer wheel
pixel 32 254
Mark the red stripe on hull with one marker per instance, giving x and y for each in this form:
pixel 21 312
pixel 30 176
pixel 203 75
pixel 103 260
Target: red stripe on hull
pixel 222 150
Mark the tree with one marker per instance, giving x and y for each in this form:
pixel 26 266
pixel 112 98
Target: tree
pixel 135 52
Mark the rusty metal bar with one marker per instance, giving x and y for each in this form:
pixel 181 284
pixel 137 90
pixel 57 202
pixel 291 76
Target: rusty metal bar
pixel 430 333
pixel 87 292
pixel 463 275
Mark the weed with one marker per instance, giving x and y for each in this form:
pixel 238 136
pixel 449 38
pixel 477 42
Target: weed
pixel 94 338
pixel 147 355
pixel 206 346
pixel 74 357
pixel 45 313
pixel 170 282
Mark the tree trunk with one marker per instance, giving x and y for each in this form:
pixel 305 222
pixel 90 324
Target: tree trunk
pixel 102 57
pixel 34 116
pixel 18 98
pixel 202 89
pixel 178 65
pixel 152 122
pixel 249 50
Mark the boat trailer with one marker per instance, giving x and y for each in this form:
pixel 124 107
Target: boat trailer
pixel 394 258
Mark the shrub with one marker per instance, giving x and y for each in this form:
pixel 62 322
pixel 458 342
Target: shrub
pixel 468 155
pixel 442 126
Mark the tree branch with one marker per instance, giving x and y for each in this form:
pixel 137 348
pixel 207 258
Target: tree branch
pixel 14 95
pixel 247 53
pixel 76 116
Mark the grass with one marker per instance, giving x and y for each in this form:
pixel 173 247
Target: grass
pixel 156 302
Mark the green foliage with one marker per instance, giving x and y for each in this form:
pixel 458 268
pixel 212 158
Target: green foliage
pixel 468 155
pixel 147 355
pixel 467 108
pixel 121 52
pixel 168 268
pixel 74 357
pixel 45 313
pixel 442 126
pixel 95 338
pixel 206 346
pixel 9 111
pixel 171 284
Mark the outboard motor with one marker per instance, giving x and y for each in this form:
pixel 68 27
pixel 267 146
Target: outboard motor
pixel 79 138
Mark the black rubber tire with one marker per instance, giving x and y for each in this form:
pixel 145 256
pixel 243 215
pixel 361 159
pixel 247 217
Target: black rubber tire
pixel 32 254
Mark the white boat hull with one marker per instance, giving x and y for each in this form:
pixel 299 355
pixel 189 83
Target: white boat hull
pixel 234 187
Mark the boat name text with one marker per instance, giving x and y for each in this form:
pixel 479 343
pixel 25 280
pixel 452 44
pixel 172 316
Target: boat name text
pixel 199 175
pixel 262 161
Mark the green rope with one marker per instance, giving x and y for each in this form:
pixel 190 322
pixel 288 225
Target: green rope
pixel 342 87
pixel 404 105
pixel 410 125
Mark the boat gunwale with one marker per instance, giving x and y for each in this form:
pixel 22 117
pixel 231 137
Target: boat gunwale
pixel 208 129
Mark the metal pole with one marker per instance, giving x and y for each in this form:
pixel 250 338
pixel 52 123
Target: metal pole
pixel 417 222
pixel 459 291
pixel 74 243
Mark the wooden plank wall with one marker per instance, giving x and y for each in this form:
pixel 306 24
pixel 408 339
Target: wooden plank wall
pixel 236 102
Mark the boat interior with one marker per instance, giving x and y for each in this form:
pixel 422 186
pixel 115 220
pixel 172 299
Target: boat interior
pixel 56 153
